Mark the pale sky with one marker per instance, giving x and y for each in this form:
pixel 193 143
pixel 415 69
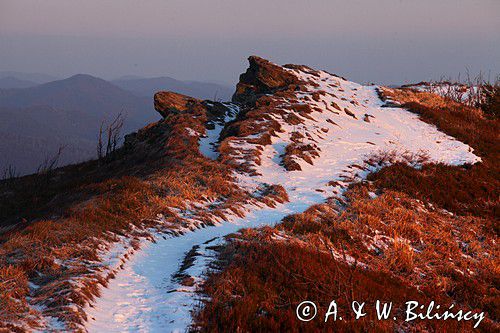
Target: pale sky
pixel 386 41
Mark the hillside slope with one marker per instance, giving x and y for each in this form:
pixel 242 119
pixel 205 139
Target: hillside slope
pixel 427 234
pixel 117 234
pixel 79 95
pixel 36 121
pixel 302 129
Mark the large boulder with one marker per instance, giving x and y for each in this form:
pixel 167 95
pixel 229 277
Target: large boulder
pixel 167 102
pixel 261 77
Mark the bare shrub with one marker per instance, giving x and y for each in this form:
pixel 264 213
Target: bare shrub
pixel 9 172
pixel 50 163
pixel 109 137
pixel 491 103
pixel 472 91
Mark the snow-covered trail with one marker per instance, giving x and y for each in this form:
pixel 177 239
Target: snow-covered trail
pixel 208 143
pixel 146 297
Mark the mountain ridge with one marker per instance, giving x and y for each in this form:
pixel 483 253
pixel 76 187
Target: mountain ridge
pixel 38 78
pixel 297 141
pixel 9 82
pixel 148 86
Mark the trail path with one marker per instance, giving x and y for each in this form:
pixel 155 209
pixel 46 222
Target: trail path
pixel 147 297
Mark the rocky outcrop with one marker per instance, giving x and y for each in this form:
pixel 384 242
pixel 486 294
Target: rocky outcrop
pixel 261 77
pixel 167 102
pixel 268 97
pixel 187 120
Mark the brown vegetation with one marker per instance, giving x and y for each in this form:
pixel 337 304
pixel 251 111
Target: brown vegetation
pixel 52 250
pixel 464 190
pixel 475 92
pixel 428 234
pixel 296 150
pixel 257 123
pixel 56 224
pixel 268 93
pixel 390 248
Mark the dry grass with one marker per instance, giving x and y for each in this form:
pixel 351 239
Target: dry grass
pixel 474 92
pixel 263 299
pixel 300 150
pixel 255 125
pixel 131 202
pixel 430 234
pixel 462 190
pixel 397 250
pixel 13 287
pixel 37 250
pixel 80 208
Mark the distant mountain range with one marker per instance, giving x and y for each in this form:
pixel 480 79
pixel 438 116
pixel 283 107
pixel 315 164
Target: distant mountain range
pixel 13 82
pixel 37 78
pixel 36 119
pixel 148 86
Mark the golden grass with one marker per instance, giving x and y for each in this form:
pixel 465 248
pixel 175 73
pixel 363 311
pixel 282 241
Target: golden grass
pixel 159 169
pixel 413 248
pixel 430 234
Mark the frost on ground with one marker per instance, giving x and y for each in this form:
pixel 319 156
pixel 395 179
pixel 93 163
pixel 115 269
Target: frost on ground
pixel 348 123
